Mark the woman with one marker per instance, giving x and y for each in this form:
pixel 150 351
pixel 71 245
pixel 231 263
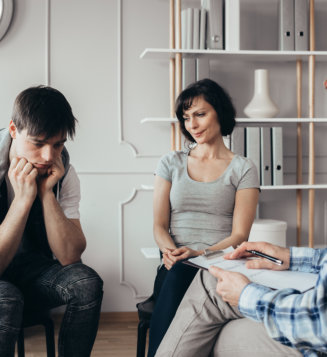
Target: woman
pixel 205 197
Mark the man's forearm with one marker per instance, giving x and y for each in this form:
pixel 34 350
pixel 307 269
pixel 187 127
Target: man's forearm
pixel 306 259
pixel 290 317
pixel 11 231
pixel 65 238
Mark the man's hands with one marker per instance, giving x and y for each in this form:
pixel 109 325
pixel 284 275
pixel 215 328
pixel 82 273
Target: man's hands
pixel 172 256
pixel 26 181
pixel 22 176
pixel 261 263
pixel 53 175
pixel 230 284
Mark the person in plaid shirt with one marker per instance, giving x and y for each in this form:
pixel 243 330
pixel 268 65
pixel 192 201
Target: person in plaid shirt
pixel 297 321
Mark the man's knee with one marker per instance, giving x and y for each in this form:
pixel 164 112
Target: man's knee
pixel 84 286
pixel 11 306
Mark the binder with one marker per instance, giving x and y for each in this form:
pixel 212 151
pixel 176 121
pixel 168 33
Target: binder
pixel 214 23
pixel 184 27
pixel 253 145
pixel 196 29
pixel 238 141
pixel 301 24
pixel 189 28
pixel 265 156
pixel 188 71
pixel 203 24
pixel 226 140
pixel 232 25
pixel 277 155
pixel 202 68
pixel 286 25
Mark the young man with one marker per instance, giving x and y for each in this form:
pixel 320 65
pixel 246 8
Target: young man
pixel 282 318
pixel 41 239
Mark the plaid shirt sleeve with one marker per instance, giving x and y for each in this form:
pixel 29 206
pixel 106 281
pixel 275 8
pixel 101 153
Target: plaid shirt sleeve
pixel 295 319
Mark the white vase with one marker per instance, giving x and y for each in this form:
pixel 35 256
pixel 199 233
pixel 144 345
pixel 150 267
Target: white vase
pixel 261 105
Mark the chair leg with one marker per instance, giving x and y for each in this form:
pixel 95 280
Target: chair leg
pixel 141 338
pixel 49 335
pixel 20 344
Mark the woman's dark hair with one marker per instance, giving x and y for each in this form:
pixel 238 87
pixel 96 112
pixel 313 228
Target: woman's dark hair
pixel 45 111
pixel 216 96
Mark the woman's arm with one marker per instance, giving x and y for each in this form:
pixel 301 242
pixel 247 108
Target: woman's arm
pixel 161 214
pixel 246 201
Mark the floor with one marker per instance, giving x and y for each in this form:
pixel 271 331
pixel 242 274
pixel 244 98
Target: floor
pixel 116 337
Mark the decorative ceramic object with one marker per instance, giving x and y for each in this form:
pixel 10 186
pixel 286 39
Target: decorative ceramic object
pixel 261 105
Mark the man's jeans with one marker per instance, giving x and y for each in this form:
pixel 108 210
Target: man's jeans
pixel 76 285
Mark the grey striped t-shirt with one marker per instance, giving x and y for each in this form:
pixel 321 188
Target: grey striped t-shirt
pixel 202 212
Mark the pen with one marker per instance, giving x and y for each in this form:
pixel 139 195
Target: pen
pixel 269 257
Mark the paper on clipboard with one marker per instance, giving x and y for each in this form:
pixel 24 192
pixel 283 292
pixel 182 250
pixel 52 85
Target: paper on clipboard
pixel 270 278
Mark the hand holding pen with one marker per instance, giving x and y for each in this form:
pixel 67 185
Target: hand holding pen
pixel 270 256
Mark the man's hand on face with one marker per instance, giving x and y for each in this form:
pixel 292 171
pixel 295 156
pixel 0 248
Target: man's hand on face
pixel 229 284
pixel 53 175
pixel 22 175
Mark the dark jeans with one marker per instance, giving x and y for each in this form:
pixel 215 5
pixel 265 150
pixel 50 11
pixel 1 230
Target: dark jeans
pixel 177 281
pixel 76 285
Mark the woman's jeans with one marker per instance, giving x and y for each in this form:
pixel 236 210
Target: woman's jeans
pixel 46 286
pixel 177 281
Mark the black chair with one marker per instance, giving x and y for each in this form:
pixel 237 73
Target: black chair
pixel 145 309
pixel 33 318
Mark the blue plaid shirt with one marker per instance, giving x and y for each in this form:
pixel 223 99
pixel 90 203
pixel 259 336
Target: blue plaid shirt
pixel 294 319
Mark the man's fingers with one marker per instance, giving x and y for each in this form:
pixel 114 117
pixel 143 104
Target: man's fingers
pixel 28 168
pixel 261 263
pixel 216 272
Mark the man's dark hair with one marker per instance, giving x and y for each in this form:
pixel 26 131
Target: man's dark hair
pixel 44 111
pixel 216 96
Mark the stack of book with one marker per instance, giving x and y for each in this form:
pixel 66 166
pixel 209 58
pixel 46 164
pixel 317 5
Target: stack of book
pixel 216 25
pixel 264 146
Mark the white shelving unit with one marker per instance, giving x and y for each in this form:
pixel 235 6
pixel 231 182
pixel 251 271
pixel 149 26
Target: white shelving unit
pixel 174 55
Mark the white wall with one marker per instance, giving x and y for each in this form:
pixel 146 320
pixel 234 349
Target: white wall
pixel 81 47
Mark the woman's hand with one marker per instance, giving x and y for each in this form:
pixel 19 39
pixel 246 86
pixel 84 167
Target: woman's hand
pixel 172 256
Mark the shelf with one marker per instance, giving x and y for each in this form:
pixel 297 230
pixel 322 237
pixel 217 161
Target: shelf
pixel 283 187
pixel 268 56
pixel 247 121
pixel 158 120
pixel 295 187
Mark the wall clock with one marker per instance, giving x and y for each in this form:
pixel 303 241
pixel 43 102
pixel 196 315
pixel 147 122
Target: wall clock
pixel 6 14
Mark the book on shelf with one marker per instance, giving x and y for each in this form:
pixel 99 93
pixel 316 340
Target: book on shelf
pixel 301 25
pixel 232 25
pixel 203 23
pixel 188 71
pixel 183 28
pixel 277 155
pixel 265 156
pixel 252 145
pixel 202 68
pixel 226 140
pixel 286 25
pixel 238 141
pixel 189 28
pixel 196 29
pixel 215 36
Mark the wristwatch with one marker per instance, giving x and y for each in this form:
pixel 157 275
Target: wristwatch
pixel 212 253
pixel 207 252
